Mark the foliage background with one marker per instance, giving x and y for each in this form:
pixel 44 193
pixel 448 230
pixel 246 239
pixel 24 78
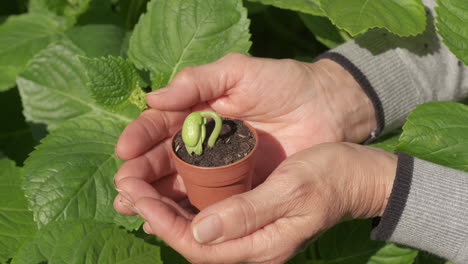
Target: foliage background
pixel 73 73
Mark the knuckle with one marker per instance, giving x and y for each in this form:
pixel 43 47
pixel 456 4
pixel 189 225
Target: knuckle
pixel 338 147
pixel 345 146
pixel 148 126
pixel 244 205
pixel 155 123
pixel 288 61
pixel 186 73
pixel 289 64
pixel 233 56
pixel 246 211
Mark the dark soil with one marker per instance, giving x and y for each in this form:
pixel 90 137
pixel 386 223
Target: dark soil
pixel 234 143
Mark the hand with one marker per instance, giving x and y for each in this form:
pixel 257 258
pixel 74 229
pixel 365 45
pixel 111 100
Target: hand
pixel 294 105
pixel 308 193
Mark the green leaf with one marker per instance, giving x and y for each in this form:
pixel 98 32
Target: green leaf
pixel 77 242
pixel 70 9
pixel 452 18
pixel 307 256
pixel 168 254
pixel 437 132
pixel 389 142
pixel 21 37
pixel 131 10
pixel 16 221
pixel 100 12
pixel 280 33
pixel 16 139
pixel 324 31
pixel 348 243
pixel 427 258
pixel 70 175
pixel 304 6
pixel 254 7
pixel 114 82
pixel 401 17
pixel 98 40
pixel 174 34
pixel 391 254
pixel 53 87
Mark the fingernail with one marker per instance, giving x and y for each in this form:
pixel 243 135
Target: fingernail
pixel 159 91
pixel 208 229
pixel 146 231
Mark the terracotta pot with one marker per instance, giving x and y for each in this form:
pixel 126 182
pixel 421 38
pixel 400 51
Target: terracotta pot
pixel 208 185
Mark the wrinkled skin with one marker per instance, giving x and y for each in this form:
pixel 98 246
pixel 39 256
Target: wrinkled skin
pixel 294 106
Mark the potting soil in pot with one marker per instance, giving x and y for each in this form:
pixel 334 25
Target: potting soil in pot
pixel 234 143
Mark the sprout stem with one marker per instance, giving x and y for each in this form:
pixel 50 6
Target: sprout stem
pixel 217 129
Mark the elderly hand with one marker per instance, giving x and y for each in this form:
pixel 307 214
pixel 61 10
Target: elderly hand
pixel 308 193
pixel 292 104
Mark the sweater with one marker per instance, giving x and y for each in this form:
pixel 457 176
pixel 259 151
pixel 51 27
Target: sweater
pixel 428 206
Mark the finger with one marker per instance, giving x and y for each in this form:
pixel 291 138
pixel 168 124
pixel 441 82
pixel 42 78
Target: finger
pixel 162 220
pixel 171 187
pixel 122 206
pixel 242 214
pixel 198 84
pixel 132 189
pixel 150 128
pixel 147 228
pixel 185 203
pixel 150 167
pixel 165 222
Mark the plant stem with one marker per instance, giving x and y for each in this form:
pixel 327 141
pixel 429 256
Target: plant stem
pixel 217 129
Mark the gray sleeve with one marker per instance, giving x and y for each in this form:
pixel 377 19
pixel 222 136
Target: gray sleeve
pixel 399 73
pixel 428 209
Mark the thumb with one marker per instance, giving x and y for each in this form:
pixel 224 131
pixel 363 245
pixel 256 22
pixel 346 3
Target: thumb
pixel 239 215
pixel 198 84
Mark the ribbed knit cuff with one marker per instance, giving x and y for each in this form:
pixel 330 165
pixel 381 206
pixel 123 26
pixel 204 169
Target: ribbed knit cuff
pixel 428 209
pixel 397 200
pixel 382 74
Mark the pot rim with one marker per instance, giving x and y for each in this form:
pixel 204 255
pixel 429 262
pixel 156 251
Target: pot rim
pixel 250 127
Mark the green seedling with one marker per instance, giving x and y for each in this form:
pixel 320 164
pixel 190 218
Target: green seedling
pixel 194 131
